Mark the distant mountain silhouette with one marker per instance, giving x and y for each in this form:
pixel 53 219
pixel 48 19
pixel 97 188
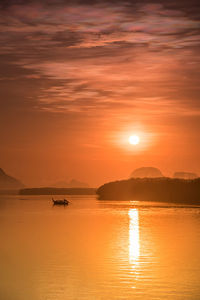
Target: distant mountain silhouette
pixel 60 184
pixel 185 175
pixel 9 182
pixel 71 184
pixel 146 172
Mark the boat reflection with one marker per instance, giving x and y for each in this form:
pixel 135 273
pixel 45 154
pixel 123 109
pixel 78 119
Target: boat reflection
pixel 134 237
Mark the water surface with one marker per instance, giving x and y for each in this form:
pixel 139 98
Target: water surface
pixel 98 249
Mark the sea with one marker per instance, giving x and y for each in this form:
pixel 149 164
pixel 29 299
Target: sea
pixel 98 250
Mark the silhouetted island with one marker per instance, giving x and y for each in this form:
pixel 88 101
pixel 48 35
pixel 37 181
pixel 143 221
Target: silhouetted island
pixel 57 191
pixel 146 172
pixel 152 189
pixel 8 182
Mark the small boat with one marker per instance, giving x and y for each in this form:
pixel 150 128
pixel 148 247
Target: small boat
pixel 60 202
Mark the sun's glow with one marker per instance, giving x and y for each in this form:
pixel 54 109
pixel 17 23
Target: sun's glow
pixel 134 140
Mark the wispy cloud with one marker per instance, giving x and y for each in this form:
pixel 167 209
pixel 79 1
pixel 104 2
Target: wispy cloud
pixel 104 56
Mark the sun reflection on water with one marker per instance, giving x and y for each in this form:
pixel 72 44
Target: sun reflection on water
pixel 134 237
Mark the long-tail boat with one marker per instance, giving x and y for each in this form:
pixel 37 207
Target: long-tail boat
pixel 60 202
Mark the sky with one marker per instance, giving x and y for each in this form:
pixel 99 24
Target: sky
pixel 77 78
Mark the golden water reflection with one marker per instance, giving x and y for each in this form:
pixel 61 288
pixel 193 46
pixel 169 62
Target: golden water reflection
pixel 134 237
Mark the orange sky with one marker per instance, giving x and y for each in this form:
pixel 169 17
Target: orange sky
pixel 77 79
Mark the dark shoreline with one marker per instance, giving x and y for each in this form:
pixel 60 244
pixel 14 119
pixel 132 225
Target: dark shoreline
pixel 58 191
pixel 152 189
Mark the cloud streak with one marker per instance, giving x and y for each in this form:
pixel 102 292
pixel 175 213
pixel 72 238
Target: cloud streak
pixel 101 55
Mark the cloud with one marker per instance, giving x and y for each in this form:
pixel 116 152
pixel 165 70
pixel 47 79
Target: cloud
pixel 115 56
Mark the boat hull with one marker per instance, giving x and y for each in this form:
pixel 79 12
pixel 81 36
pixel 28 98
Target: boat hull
pixel 60 202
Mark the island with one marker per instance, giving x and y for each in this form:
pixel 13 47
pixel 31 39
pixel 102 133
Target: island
pixel 57 191
pixel 152 189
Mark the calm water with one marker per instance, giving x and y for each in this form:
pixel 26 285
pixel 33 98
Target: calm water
pixel 97 250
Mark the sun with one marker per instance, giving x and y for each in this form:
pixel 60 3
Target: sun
pixel 134 140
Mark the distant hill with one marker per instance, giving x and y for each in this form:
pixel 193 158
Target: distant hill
pixel 146 172
pixel 185 175
pixel 152 189
pixel 8 182
pixel 71 184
